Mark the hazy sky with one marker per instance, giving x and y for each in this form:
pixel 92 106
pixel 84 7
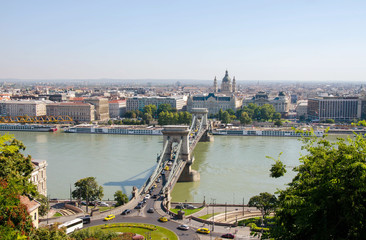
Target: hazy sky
pixel 254 40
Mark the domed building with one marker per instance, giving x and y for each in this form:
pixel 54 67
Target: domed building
pixel 220 99
pixel 227 87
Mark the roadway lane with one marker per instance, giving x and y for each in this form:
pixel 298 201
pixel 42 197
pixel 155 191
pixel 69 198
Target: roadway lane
pixel 142 216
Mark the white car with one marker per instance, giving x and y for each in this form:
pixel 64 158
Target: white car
pixel 183 227
pixel 147 196
pixel 103 204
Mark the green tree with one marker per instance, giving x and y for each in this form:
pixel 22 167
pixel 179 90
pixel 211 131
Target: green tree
pixel 245 119
pixel 326 199
pixel 278 123
pixel 265 202
pixel 150 109
pixel 14 165
pixel 165 107
pixel 120 198
pixel 266 112
pixel 230 111
pixel 43 200
pixel 147 117
pixel 225 118
pixel 277 116
pixel 49 233
pixel 220 114
pixel 87 189
pixel 330 121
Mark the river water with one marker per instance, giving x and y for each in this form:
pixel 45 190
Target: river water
pixel 231 167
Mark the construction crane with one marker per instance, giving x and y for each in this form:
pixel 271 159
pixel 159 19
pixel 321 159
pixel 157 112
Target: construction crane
pixel 36 119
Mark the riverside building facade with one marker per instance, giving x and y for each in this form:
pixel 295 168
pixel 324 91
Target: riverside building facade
pixel 81 112
pixel 15 108
pixel 336 108
pixel 139 102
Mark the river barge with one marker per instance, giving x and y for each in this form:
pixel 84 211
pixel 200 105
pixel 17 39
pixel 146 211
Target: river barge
pixel 268 132
pixel 28 127
pixel 125 130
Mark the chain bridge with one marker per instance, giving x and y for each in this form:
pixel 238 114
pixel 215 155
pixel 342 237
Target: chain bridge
pixel 176 158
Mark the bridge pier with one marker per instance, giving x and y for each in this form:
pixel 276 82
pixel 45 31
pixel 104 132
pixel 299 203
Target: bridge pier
pixel 175 134
pixel 188 174
pixel 207 137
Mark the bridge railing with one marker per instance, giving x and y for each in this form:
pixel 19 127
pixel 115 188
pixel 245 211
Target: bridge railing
pixel 157 170
pixel 173 168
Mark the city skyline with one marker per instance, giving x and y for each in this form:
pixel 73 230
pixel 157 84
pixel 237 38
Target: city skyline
pixel 262 40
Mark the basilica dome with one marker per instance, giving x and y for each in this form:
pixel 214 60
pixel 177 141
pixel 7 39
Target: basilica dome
pixel 226 78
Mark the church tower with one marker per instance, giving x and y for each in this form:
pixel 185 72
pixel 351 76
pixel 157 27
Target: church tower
pixel 226 87
pixel 215 85
pixel 234 85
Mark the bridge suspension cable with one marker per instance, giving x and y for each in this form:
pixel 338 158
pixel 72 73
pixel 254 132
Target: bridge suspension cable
pixel 158 169
pixel 175 167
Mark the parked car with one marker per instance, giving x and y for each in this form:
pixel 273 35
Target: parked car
pixel 109 217
pixel 127 211
pixel 228 235
pixel 150 210
pixel 203 230
pixel 163 219
pixel 183 227
pixel 147 196
pixel 166 168
pixel 103 204
pixel 179 207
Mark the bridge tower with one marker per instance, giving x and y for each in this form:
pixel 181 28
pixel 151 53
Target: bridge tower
pixel 201 115
pixel 174 134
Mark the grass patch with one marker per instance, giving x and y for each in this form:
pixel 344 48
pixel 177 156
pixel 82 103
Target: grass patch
pixel 57 214
pixel 156 232
pixel 101 209
pixel 207 216
pixel 187 211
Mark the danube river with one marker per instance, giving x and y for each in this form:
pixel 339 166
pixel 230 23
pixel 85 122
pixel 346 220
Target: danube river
pixel 231 167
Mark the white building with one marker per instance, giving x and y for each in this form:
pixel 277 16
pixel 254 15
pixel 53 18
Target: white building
pixel 117 108
pixel 39 176
pixel 302 109
pixel 281 103
pixel 139 102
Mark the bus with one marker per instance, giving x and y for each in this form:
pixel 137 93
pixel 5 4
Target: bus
pixel 72 225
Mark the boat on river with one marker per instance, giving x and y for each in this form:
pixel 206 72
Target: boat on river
pixel 28 127
pixel 269 132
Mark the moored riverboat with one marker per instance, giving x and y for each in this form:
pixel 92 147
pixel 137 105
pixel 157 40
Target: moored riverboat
pixel 125 130
pixel 28 127
pixel 270 132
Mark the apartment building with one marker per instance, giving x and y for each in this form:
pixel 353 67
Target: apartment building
pixel 117 108
pixel 15 108
pixel 139 102
pixel 80 112
pixel 337 108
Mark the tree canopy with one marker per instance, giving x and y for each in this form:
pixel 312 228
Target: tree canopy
pixel 327 197
pixel 120 198
pixel 265 202
pixel 15 171
pixel 87 189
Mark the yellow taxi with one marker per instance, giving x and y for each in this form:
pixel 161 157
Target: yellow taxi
pixel 163 219
pixel 203 230
pixel 109 217
pixel 166 168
